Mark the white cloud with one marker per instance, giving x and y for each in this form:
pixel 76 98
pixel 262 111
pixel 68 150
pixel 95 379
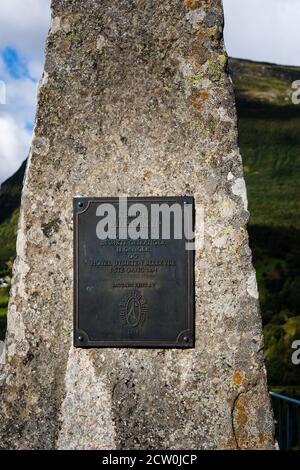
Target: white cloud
pixel 263 30
pixel 35 68
pixel 24 26
pixel 15 116
pixel 21 98
pixel 14 141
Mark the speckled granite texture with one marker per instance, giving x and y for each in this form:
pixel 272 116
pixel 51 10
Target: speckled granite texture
pixel 135 100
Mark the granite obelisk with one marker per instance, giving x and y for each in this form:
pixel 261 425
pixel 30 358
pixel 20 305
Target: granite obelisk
pixel 135 100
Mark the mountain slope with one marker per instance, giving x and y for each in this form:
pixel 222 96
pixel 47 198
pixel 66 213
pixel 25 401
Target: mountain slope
pixel 269 138
pixel 269 130
pixel 10 197
pixel 10 193
pixel 263 82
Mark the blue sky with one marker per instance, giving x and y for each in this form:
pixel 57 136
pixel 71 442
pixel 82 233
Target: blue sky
pixel 23 29
pixel 265 30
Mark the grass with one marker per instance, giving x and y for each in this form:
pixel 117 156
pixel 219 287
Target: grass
pixel 8 234
pixel 4 296
pixel 269 137
pixel 270 146
pixel 10 197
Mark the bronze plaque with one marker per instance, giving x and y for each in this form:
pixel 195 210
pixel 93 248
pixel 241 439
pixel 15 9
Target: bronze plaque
pixel 134 286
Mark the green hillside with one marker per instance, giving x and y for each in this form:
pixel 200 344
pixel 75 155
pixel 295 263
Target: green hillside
pixel 10 197
pixel 269 134
pixel 269 137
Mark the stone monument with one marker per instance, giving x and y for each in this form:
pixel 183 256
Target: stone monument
pixel 135 100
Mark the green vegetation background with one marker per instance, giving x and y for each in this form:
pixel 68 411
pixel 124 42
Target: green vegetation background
pixel 269 133
pixel 269 138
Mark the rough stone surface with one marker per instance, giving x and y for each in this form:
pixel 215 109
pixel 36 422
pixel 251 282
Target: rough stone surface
pixel 135 100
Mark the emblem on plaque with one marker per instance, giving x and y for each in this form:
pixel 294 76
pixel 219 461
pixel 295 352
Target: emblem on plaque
pixel 133 310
